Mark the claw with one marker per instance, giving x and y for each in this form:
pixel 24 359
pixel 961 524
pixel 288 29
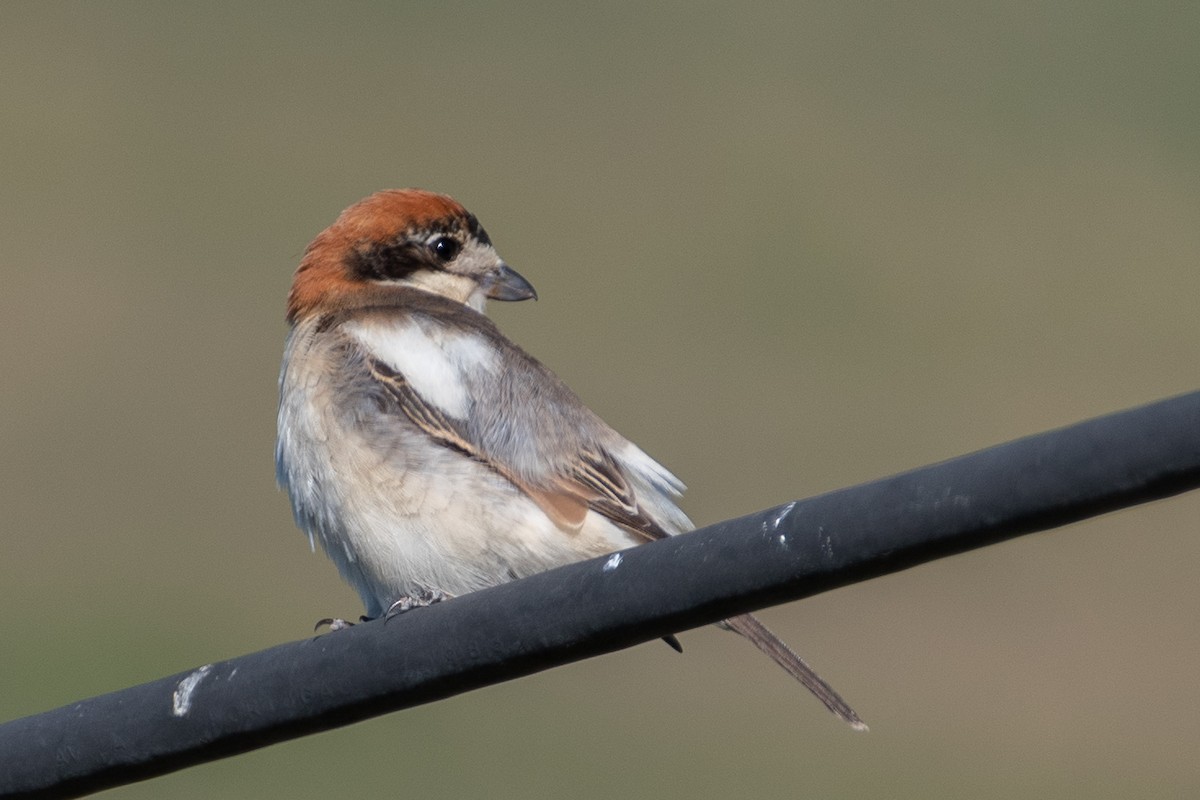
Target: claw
pixel 419 599
pixel 335 623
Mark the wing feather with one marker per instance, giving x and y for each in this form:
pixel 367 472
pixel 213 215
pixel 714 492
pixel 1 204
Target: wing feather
pixel 593 480
pixel 546 443
pixel 424 415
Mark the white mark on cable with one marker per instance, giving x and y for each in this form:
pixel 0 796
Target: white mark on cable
pixel 783 514
pixel 826 542
pixel 182 702
pixel 613 562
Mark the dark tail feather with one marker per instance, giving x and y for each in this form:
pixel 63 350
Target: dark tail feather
pixel 783 655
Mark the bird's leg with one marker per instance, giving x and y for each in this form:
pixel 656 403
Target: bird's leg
pixel 418 599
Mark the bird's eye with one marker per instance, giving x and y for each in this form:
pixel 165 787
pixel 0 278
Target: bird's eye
pixel 445 248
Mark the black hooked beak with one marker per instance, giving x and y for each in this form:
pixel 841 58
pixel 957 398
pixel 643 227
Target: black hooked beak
pixel 508 284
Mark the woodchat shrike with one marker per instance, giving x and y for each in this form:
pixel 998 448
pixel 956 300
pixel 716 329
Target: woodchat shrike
pixel 430 455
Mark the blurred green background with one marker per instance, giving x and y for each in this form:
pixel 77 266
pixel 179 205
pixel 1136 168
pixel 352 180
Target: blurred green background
pixel 784 247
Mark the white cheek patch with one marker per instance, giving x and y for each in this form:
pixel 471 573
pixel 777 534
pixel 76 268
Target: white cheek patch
pixel 435 362
pixel 444 284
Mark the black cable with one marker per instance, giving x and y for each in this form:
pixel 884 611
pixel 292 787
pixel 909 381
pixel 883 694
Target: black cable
pixel 613 602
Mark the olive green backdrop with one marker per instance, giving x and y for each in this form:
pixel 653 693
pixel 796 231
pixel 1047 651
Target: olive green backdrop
pixel 785 247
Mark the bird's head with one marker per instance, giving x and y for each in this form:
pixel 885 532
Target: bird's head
pixel 402 238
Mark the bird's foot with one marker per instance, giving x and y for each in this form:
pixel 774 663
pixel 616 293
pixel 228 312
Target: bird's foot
pixel 419 599
pixel 337 623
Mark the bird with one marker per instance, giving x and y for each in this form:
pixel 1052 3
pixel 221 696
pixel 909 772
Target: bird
pixel 427 453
